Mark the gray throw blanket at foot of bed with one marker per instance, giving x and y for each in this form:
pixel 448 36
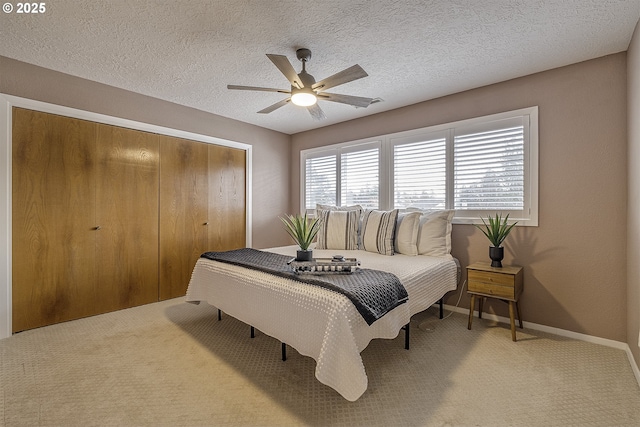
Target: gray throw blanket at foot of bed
pixel 374 293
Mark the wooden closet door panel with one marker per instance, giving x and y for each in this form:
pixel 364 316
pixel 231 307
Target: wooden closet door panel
pixel 227 198
pixel 127 213
pixel 183 212
pixel 53 219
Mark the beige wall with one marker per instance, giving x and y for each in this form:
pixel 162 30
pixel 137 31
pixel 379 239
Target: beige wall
pixel 271 150
pixel 575 260
pixel 633 217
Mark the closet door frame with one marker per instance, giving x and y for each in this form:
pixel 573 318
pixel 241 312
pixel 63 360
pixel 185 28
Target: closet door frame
pixel 7 102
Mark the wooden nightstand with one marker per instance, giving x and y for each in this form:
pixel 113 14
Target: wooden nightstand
pixel 503 283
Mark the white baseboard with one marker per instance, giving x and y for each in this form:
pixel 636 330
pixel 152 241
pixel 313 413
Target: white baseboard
pixel 634 366
pixel 563 333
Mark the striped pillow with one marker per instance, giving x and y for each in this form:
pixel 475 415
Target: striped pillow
pixel 377 231
pixel 339 229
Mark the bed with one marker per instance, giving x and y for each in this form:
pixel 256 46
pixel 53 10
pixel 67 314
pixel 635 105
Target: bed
pixel 318 322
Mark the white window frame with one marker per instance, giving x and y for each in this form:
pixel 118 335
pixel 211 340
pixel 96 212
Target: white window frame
pixel 365 146
pixel 420 135
pixel 303 173
pixel 527 217
pixel 338 150
pixel 473 126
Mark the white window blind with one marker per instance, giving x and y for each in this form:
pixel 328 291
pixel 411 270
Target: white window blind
pixel 360 178
pixel 489 167
pixel 478 167
pixel 419 174
pixel 320 175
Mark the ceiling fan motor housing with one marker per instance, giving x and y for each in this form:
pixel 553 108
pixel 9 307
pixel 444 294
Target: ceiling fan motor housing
pixel 303 54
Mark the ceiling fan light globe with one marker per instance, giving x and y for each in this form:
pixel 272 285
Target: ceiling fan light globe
pixel 303 99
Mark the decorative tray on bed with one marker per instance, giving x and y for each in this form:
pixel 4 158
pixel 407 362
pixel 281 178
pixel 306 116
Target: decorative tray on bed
pixel 335 265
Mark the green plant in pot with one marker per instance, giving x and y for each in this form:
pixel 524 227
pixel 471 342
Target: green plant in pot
pixel 496 229
pixel 302 230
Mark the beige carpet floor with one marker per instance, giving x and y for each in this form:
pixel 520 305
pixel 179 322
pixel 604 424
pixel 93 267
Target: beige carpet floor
pixel 174 364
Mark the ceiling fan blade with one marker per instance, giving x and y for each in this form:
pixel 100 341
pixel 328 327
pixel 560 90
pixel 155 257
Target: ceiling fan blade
pixel 263 89
pixel 356 101
pixel 275 106
pixel 345 76
pixel 316 112
pixel 286 68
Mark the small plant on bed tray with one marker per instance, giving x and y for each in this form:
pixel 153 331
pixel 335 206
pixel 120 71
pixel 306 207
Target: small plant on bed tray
pixel 302 230
pixel 496 231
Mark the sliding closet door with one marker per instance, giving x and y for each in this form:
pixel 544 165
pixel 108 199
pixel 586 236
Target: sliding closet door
pixel 106 218
pixel 227 201
pixel 183 212
pixel 53 219
pixel 127 214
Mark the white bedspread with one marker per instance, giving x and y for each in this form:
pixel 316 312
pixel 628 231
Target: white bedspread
pixel 317 322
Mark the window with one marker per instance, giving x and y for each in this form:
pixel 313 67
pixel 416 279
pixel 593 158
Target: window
pixel 420 171
pixel 360 178
pixel 320 173
pixel 349 174
pixel 489 168
pixel 478 167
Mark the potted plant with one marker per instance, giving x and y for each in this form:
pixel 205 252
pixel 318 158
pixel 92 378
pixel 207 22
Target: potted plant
pixel 496 231
pixel 302 230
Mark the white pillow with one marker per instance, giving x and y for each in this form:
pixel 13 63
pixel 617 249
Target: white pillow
pixel 434 233
pixel 406 233
pixel 377 231
pixel 338 230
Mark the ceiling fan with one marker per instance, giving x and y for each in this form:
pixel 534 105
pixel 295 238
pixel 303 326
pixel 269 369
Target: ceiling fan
pixel 305 91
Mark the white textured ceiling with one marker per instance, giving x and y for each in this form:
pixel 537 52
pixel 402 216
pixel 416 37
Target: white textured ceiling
pixel 188 51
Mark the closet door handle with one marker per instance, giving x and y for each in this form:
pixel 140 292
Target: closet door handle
pixel 206 223
pixel 97 228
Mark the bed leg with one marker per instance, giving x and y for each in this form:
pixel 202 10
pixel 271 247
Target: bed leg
pixel 284 352
pixel 219 315
pixel 253 332
pixel 441 303
pixel 406 335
